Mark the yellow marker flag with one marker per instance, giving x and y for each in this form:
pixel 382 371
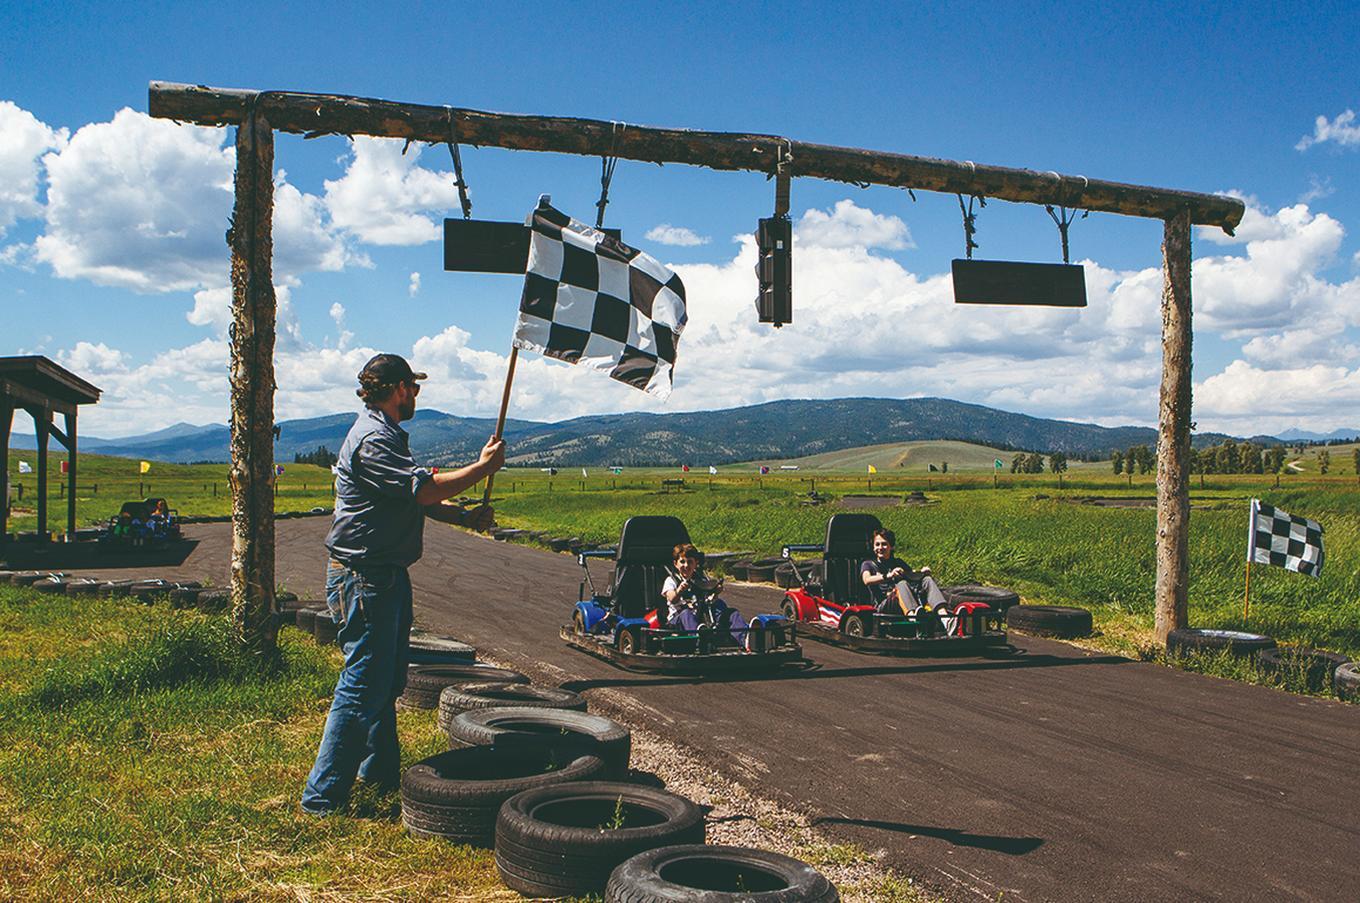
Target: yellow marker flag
pixel 146 466
pixel 873 469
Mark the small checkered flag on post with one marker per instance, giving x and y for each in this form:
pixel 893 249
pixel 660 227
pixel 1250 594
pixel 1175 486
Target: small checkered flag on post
pixel 1282 540
pixel 590 299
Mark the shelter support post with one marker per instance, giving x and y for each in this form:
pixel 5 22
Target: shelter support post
pixel 252 387
pixel 42 417
pixel 6 421
pixel 71 476
pixel 1173 432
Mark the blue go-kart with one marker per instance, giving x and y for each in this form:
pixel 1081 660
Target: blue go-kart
pixel 624 626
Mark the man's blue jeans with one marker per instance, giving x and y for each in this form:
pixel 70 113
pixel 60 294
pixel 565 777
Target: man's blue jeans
pixel 374 606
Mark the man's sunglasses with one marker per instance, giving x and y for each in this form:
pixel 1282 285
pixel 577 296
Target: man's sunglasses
pixel 415 387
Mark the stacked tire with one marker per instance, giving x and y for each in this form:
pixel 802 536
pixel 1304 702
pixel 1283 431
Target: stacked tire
pixel 424 683
pixel 456 699
pixel 1061 621
pixel 457 795
pixel 559 732
pixel 712 874
pixel 567 839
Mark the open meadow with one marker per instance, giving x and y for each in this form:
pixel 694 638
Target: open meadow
pixel 979 525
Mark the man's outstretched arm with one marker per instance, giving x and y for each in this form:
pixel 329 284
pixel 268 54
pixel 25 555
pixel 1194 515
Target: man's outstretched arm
pixel 448 483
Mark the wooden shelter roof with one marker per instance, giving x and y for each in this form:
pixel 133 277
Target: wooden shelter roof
pixel 33 379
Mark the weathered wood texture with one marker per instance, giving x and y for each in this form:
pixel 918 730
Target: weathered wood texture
pixel 253 309
pixel 1173 435
pixel 69 440
pixel 319 114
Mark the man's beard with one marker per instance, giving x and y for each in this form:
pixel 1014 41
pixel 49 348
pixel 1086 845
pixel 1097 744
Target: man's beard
pixel 407 409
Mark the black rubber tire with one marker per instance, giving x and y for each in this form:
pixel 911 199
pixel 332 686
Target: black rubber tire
pixel 459 698
pixel 214 599
pixel 52 586
pixel 288 609
pixel 1059 621
pixel 854 625
pixel 424 683
pixel 737 569
pixel 551 841
pixel 789 610
pixel 561 731
pixel 1317 666
pixel 1347 682
pixel 1236 642
pixel 760 573
pixel 185 596
pixel 697 873
pixel 325 629
pixel 998 597
pixel 627 641
pixel 26 579
pixel 432 649
pixel 456 795
pixel 306 619
pixel 784 577
pixel 83 588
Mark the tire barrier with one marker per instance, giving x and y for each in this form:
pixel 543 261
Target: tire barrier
pixel 760 573
pixel 325 628
pixel 566 839
pixel 456 795
pixel 1059 621
pixel 459 698
pixel 1347 682
pixel 784 577
pixel 305 619
pixel 424 683
pixel 1316 667
pixel 1236 642
pixel 561 731
pixel 432 649
pixel 998 597
pixel 737 569
pixel 712 874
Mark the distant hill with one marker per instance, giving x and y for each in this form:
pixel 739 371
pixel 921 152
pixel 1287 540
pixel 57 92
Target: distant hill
pixel 1297 435
pixel 899 457
pixel 777 430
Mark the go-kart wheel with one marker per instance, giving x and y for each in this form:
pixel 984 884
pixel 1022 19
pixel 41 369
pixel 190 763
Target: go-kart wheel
pixel 578 623
pixel 854 626
pixel 790 610
pixel 627 642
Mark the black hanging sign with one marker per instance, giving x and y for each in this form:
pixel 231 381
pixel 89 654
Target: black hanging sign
pixel 482 246
pixel 1008 282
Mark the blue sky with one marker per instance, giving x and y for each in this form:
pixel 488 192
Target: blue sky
pixel 111 255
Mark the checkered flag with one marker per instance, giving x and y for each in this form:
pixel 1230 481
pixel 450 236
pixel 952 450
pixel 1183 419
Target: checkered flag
pixel 1293 543
pixel 591 299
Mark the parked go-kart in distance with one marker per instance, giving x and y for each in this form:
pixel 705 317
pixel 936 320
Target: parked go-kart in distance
pixel 150 522
pixel 625 624
pixel 839 608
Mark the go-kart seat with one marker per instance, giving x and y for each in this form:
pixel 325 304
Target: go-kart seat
pixel 849 543
pixel 644 554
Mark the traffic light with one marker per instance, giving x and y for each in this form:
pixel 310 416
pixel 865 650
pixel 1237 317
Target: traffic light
pixel 774 270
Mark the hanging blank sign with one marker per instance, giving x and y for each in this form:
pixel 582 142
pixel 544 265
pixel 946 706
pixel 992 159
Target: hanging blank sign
pixel 482 246
pixel 1008 282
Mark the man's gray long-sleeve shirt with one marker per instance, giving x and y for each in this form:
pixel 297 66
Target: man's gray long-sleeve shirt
pixel 377 520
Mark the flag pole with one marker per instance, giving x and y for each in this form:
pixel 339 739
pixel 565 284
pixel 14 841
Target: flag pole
pixel 500 420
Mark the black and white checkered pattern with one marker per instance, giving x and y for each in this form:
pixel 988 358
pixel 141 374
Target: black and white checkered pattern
pixel 590 299
pixel 1277 538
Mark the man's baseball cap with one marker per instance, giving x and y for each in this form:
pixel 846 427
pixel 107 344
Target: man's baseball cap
pixel 388 370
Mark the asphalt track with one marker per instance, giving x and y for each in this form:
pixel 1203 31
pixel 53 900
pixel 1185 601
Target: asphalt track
pixel 1057 774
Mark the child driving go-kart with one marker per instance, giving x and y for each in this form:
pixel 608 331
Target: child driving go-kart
pixel 692 599
pixel 893 584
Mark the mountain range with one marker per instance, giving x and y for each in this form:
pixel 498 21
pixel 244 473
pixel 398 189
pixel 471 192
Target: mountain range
pixel 771 431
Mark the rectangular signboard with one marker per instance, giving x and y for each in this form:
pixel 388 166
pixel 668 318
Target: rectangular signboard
pixel 1008 282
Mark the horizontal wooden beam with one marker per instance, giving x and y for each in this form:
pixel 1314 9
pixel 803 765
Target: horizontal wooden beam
pixel 321 114
pixel 32 400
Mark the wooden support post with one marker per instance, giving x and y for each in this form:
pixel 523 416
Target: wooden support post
pixel 252 387
pixel 1173 433
pixel 6 422
pixel 71 476
pixel 42 418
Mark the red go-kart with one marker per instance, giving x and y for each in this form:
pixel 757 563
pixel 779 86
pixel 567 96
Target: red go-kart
pixel 838 608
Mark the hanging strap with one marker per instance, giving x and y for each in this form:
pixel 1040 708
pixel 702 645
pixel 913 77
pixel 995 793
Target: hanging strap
pixel 1063 218
pixel 970 222
pixel 458 180
pixel 607 165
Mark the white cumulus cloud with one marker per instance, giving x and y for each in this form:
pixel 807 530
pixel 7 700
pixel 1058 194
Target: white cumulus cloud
pixel 1343 130
pixel 23 140
pixel 679 236
pixel 413 287
pixel 386 198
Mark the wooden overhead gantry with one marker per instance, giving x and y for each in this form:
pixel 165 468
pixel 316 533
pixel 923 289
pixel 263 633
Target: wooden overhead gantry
pixel 257 114
pixel 43 388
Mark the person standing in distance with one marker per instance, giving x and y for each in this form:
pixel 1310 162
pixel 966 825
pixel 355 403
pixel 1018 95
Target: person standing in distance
pixel 381 501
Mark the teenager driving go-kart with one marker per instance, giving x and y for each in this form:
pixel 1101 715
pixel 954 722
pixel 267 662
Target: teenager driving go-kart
pixel 872 601
pixel 635 624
